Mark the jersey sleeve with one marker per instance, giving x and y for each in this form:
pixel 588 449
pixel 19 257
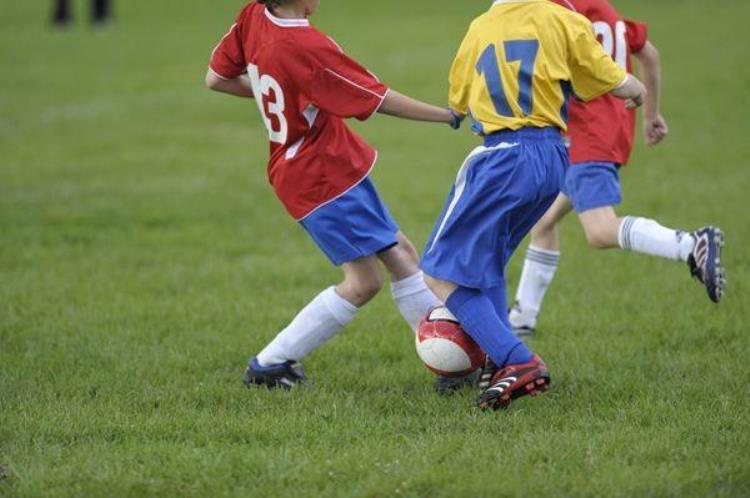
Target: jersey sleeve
pixel 228 58
pixel 593 73
pixel 637 35
pixel 340 86
pixel 461 75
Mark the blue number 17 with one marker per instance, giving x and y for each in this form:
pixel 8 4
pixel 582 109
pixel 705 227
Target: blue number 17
pixel 516 50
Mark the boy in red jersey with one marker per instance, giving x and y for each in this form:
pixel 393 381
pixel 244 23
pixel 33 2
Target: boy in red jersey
pixel 305 86
pixel 601 134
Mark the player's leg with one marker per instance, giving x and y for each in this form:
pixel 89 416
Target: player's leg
pixel 469 246
pixel 462 257
pixel 101 12
pixel 324 317
pixel 62 15
pixel 350 230
pixel 595 190
pixel 476 312
pixel 511 369
pixel 409 291
pixel 601 226
pixel 414 299
pixel 539 267
pixel 701 249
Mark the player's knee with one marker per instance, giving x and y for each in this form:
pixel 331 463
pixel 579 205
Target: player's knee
pixel 440 288
pixel 401 260
pixel 598 239
pixel 365 287
pixel 406 250
pixel 430 282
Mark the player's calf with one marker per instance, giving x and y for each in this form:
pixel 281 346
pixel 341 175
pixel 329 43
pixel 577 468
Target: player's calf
pixel 362 281
pixel 602 227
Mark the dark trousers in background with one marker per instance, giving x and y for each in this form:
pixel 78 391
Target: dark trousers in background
pixel 101 11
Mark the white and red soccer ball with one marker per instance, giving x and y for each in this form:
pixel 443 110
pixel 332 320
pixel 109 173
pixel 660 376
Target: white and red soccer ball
pixel 444 347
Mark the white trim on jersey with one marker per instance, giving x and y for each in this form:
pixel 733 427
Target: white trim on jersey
pixel 213 52
pixel 310 114
pixel 345 191
pixel 498 2
pixel 354 84
pixel 623 82
pixel 213 71
pixel 287 23
pixel 460 185
pixel 292 151
pixel 336 43
pixel 572 7
pixel 379 105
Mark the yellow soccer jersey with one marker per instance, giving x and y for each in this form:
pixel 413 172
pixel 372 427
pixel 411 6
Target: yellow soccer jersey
pixel 519 62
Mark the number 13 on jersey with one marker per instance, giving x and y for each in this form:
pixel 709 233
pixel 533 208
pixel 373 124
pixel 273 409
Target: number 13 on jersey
pixel 263 86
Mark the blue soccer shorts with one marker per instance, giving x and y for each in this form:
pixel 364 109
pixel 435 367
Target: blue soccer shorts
pixel 592 185
pixel 352 226
pixel 501 191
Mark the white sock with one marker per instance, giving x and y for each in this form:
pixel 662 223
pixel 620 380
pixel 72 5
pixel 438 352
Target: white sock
pixel 538 271
pixel 318 322
pixel 413 298
pixel 648 237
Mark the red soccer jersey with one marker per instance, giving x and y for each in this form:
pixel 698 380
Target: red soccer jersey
pixel 603 129
pixel 305 87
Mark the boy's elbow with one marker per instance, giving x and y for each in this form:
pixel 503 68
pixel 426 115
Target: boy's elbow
pixel 212 80
pixel 649 54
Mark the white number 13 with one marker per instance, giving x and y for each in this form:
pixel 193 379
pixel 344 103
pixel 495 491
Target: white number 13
pixel 262 86
pixel 614 43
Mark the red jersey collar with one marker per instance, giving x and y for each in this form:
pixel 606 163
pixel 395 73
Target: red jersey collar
pixel 287 23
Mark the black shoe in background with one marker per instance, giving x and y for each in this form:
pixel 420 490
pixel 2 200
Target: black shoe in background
pixel 101 13
pixel 61 15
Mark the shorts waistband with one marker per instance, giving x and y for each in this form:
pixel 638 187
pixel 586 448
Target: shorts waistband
pixel 549 134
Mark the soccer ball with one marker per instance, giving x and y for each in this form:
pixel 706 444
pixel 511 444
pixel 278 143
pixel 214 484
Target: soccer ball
pixel 444 347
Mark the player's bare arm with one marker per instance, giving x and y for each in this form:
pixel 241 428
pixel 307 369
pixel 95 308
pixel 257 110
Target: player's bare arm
pixel 239 87
pixel 632 91
pixel 655 127
pixel 401 106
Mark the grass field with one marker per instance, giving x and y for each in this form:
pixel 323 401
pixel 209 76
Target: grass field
pixel 143 258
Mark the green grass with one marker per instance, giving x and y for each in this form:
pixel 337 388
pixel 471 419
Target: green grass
pixel 143 258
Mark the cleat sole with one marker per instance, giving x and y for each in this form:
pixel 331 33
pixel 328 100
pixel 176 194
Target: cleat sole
pixel 720 280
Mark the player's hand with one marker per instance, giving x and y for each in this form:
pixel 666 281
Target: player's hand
pixel 456 119
pixel 655 129
pixel 635 102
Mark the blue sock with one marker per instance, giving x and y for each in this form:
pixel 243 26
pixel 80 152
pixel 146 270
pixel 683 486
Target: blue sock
pixel 478 317
pixel 500 301
pixel 497 295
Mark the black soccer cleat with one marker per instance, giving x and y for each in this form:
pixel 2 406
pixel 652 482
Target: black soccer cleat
pixel 705 261
pixel 449 385
pixel 283 375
